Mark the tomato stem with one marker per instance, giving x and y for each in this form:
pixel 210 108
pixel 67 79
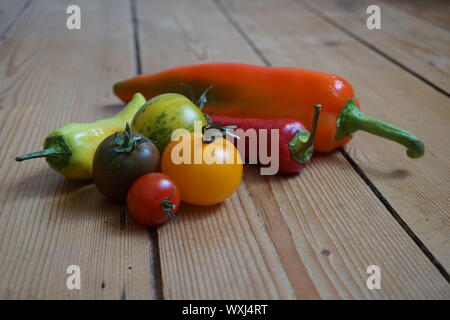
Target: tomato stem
pixel 224 130
pixel 168 206
pixel 203 98
pixel 129 141
pixel 191 93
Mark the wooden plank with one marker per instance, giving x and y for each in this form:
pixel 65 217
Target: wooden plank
pixel 433 11
pixel 215 252
pixel 417 189
pixel 9 10
pixel 51 76
pixel 413 42
pixel 306 236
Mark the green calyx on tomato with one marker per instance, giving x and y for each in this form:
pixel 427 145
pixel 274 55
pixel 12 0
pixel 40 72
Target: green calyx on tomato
pixel 120 159
pixel 202 100
pixel 153 199
pixel 127 142
pixel 210 181
pixel 224 131
pixel 168 206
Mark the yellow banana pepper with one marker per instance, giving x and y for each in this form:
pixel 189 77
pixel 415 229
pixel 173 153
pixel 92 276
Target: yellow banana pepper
pixel 70 149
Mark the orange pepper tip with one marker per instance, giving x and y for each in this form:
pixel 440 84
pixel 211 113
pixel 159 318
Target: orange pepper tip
pixel 352 119
pixel 116 87
pixel 302 143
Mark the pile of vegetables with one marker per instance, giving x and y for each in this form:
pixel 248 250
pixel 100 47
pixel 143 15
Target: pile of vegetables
pixel 130 156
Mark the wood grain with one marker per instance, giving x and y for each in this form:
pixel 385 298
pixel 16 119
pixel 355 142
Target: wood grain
pixel 210 253
pixel 291 237
pixel 50 76
pixel 417 189
pixel 433 11
pixel 415 43
pixel 305 236
pixel 9 11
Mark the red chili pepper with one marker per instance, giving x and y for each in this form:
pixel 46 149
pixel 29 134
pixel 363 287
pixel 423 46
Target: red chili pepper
pixel 295 146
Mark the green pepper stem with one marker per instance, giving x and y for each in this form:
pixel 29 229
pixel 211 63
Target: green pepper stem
pixel 310 142
pixel 40 154
pixel 351 119
pixel 56 151
pixel 302 143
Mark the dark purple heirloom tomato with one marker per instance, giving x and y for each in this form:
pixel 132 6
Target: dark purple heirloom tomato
pixel 120 159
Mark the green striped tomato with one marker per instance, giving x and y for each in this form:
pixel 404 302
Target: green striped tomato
pixel 158 117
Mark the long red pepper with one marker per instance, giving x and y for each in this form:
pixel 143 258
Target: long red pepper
pixel 295 142
pixel 249 91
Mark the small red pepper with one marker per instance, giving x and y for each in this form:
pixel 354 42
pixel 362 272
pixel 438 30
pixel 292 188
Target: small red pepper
pixel 295 141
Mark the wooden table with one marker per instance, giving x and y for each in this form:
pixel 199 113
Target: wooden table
pixel 306 236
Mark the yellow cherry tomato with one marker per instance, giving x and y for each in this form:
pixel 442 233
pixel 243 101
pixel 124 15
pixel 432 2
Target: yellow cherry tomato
pixel 206 173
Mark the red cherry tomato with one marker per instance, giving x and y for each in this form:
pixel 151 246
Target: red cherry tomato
pixel 153 199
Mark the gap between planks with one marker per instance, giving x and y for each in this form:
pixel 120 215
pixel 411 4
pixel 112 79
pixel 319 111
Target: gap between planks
pixel 372 47
pixel 138 57
pixel 352 163
pixel 54 237
pixel 155 256
pixel 8 26
pixel 185 254
pixel 396 216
